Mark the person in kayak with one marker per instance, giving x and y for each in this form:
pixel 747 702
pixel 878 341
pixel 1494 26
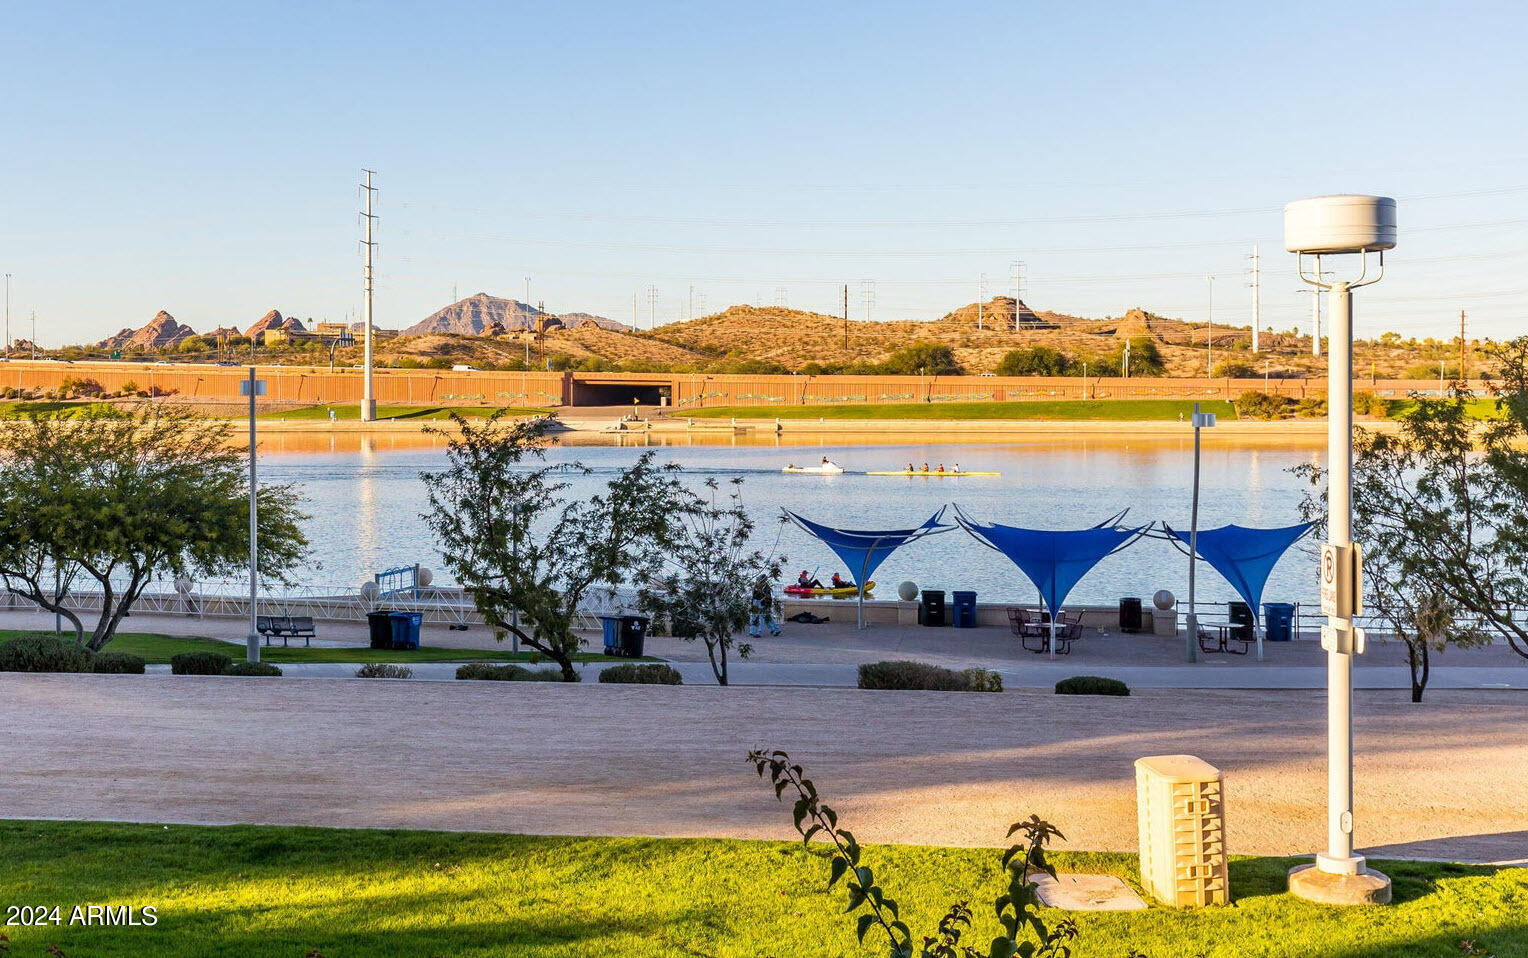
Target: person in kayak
pixel 806 581
pixel 910 468
pixel 925 467
pixel 956 470
pixel 839 582
pixel 941 468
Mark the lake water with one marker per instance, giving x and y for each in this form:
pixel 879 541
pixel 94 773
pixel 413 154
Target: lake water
pixel 366 502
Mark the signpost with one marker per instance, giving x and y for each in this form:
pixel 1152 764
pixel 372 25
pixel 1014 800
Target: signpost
pixel 253 388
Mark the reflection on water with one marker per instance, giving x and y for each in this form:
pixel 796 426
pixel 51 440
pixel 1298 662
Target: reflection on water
pixel 366 499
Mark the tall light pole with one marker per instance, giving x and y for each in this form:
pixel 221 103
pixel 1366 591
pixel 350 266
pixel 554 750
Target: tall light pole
pixel 1201 421
pixel 1256 295
pixel 8 315
pixel 252 388
pixel 1336 225
pixel 368 397
pixel 1209 337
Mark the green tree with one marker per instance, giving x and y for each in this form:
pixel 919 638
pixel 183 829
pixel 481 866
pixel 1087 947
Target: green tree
pixel 1145 359
pixel 701 579
pixel 1441 510
pixel 526 552
pixel 1036 361
pixel 929 359
pixel 122 498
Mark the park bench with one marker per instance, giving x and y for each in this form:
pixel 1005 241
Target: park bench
pixel 285 628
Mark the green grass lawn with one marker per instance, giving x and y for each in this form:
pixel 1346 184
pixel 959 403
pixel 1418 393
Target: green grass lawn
pixel 351 412
pixel 157 648
pixel 1124 410
pixel 19 409
pixel 277 891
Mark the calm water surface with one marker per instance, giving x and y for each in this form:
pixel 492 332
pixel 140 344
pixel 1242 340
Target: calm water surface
pixel 366 502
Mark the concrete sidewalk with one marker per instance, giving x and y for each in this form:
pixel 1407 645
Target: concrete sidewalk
pixel 1440 780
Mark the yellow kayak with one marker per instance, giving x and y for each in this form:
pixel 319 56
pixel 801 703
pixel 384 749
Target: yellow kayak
pixel 933 473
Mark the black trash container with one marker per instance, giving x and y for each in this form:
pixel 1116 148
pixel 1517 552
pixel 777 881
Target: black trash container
pixel 1240 613
pixel 1130 615
pixel 965 609
pixel 633 635
pixel 1279 621
pixel 380 627
pixel 405 629
pixel 931 609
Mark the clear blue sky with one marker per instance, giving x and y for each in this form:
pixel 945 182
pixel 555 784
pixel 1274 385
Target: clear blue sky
pixel 203 157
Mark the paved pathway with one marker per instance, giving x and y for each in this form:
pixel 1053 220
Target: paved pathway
pixel 1441 779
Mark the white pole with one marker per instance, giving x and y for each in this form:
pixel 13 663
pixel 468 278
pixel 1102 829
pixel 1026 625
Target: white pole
pixel 981 292
pixel 1209 339
pixel 1256 298
pixel 1339 693
pixel 252 641
pixel 368 397
pixel 1192 646
pixel 7 315
pixel 1315 313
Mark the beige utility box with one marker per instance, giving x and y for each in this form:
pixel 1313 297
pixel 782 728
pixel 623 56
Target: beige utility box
pixel 1180 802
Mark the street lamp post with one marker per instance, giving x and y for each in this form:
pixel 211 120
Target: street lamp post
pixel 1336 225
pixel 1191 647
pixel 252 388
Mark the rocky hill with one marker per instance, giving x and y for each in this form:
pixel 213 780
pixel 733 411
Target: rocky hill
pixel 482 314
pixel 161 332
pixel 274 320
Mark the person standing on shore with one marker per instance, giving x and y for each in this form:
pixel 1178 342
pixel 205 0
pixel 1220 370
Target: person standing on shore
pixel 762 610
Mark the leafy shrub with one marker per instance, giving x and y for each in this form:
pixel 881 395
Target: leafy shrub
pixel 384 670
pixel 252 668
pixel 934 359
pixel 1236 369
pixel 1256 405
pixel 44 653
pixel 1311 408
pixel 200 663
pixel 983 680
pixel 1035 361
pixel 1091 685
pixel 1368 404
pixel 905 675
pixel 507 673
pixel 633 674
pixel 118 663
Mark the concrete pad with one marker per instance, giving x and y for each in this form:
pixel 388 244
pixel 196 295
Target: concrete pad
pixel 1325 888
pixel 1076 892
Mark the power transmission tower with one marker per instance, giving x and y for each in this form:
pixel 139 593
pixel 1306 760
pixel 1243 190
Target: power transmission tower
pixel 34 334
pixel 634 326
pixel 526 332
pixel 7 315
pixel 1256 296
pixel 867 293
pixel 846 318
pixel 782 297
pixel 652 307
pixel 368 397
pixel 1209 338
pixel 981 294
pixel 1018 290
pixel 692 302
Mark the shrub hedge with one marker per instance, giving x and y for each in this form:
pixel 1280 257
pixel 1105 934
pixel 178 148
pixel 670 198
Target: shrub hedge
pixel 1091 685
pixel 200 663
pixel 384 670
pixel 901 674
pixel 118 663
pixel 44 653
pixel 251 668
pixel 634 674
pixel 507 673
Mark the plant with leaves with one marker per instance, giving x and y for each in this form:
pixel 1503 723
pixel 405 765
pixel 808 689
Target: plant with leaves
pixel 702 578
pixel 527 553
pixel 121 498
pixel 1024 932
pixel 1441 511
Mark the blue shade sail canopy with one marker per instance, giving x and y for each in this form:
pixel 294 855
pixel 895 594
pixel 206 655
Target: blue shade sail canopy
pixel 863 551
pixel 1055 561
pixel 1244 556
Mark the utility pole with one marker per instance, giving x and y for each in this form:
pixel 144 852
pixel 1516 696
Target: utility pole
pixel 1315 314
pixel 1256 297
pixel 368 396
pixel 34 334
pixel 846 319
pixel 634 312
pixel 1462 374
pixel 526 332
pixel 7 315
pixel 867 293
pixel 981 294
pixel 1018 290
pixel 692 302
pixel 652 307
pixel 1209 339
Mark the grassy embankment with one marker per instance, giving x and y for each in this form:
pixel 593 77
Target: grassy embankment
pixel 266 890
pixel 352 413
pixel 157 649
pixel 1122 410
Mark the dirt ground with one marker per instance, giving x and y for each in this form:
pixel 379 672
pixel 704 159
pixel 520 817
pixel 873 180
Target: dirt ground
pixel 1440 780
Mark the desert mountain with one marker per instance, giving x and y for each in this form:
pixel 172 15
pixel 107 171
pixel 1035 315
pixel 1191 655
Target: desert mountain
pixel 273 320
pixel 575 320
pixel 161 332
pixel 478 314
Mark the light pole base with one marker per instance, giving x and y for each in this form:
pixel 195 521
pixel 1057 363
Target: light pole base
pixel 368 410
pixel 1328 888
pixel 252 647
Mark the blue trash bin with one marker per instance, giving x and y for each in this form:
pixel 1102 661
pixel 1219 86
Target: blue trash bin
pixel 1279 620
pixel 965 610
pixel 406 629
pixel 612 627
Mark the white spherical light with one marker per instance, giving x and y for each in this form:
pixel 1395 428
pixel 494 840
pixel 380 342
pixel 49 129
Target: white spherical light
pixel 425 577
pixel 370 590
pixel 182 584
pixel 907 591
pixel 1163 600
